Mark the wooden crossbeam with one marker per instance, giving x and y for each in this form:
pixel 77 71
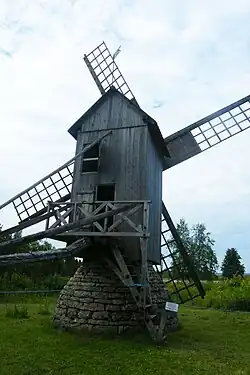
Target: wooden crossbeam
pixel 118 222
pixel 61 218
pixel 99 234
pixel 62 229
pixel 88 214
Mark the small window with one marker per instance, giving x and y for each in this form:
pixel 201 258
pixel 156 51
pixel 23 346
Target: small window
pixel 104 193
pixel 90 159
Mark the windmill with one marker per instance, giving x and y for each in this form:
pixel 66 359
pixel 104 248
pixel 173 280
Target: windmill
pixel 106 204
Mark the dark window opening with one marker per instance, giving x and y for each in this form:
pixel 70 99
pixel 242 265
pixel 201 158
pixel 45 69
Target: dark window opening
pixel 89 166
pixel 90 159
pixel 105 193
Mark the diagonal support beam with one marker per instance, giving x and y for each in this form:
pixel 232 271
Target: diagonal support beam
pixel 129 213
pixel 121 270
pixel 60 218
pixel 38 256
pixel 52 232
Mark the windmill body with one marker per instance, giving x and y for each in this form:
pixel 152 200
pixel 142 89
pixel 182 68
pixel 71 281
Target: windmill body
pixel 106 204
pixel 125 166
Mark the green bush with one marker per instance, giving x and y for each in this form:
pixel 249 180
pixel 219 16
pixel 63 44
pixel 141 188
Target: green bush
pixel 16 281
pixel 44 307
pixel 228 294
pixel 17 312
pixel 233 294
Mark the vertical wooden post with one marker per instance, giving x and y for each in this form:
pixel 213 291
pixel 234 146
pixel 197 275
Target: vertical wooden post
pixel 47 220
pixel 105 224
pixel 144 254
pixel 75 211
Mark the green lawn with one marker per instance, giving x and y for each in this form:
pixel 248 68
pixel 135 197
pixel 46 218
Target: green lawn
pixel 209 342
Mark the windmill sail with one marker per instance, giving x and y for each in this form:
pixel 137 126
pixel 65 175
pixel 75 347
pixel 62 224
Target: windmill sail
pixel 55 187
pixel 182 287
pixel 208 132
pixel 105 72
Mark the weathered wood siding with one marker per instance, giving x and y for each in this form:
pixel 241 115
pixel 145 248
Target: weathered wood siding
pixel 115 112
pixel 154 192
pixel 129 159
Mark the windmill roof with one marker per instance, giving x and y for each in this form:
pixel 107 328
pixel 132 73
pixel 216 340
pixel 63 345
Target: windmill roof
pixel 149 121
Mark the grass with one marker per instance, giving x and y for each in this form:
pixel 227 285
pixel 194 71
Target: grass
pixel 17 312
pixel 208 342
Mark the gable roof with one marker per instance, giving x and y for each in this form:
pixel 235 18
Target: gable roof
pixel 148 120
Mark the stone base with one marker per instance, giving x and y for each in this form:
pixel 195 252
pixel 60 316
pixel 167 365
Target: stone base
pixel 96 300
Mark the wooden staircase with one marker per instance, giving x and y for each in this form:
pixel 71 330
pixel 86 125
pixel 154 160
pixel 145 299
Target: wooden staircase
pixel 155 318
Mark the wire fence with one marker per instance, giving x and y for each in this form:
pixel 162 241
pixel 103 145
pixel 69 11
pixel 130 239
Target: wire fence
pixel 29 291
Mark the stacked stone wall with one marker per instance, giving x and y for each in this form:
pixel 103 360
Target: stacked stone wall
pixel 96 300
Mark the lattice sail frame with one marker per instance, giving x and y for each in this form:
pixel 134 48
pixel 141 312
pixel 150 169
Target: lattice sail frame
pixel 55 187
pixel 181 287
pixel 223 126
pixel 105 72
pixel 208 132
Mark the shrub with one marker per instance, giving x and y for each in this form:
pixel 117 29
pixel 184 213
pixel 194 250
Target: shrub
pixel 227 294
pixel 44 308
pixel 16 281
pixel 17 312
pixel 233 294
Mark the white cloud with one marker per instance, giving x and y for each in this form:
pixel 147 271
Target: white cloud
pixel 191 57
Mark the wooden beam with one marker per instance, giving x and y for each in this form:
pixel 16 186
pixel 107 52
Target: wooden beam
pixel 64 228
pixel 126 281
pixel 60 218
pixel 99 234
pixel 144 268
pixel 29 223
pixel 118 222
pixel 38 256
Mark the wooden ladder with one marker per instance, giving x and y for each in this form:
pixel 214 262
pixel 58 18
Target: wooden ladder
pixel 155 319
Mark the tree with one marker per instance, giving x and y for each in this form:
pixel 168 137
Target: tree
pixel 199 245
pixel 231 265
pixel 4 237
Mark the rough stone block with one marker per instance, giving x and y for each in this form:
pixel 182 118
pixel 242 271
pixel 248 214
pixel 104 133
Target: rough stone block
pixel 100 315
pixel 96 307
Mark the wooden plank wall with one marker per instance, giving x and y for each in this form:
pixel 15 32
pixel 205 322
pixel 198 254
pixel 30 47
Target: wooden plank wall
pixel 129 159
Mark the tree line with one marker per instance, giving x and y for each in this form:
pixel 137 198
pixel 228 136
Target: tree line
pixel 199 244
pixel 38 273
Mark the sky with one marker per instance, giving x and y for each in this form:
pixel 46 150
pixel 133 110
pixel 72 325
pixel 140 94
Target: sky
pixel 183 60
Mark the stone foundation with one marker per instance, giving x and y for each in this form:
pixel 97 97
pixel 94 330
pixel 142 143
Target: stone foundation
pixel 96 300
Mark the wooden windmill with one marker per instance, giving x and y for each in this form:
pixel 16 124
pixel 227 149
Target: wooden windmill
pixel 106 204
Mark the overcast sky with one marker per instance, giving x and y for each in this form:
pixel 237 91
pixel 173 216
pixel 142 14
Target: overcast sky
pixel 182 60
